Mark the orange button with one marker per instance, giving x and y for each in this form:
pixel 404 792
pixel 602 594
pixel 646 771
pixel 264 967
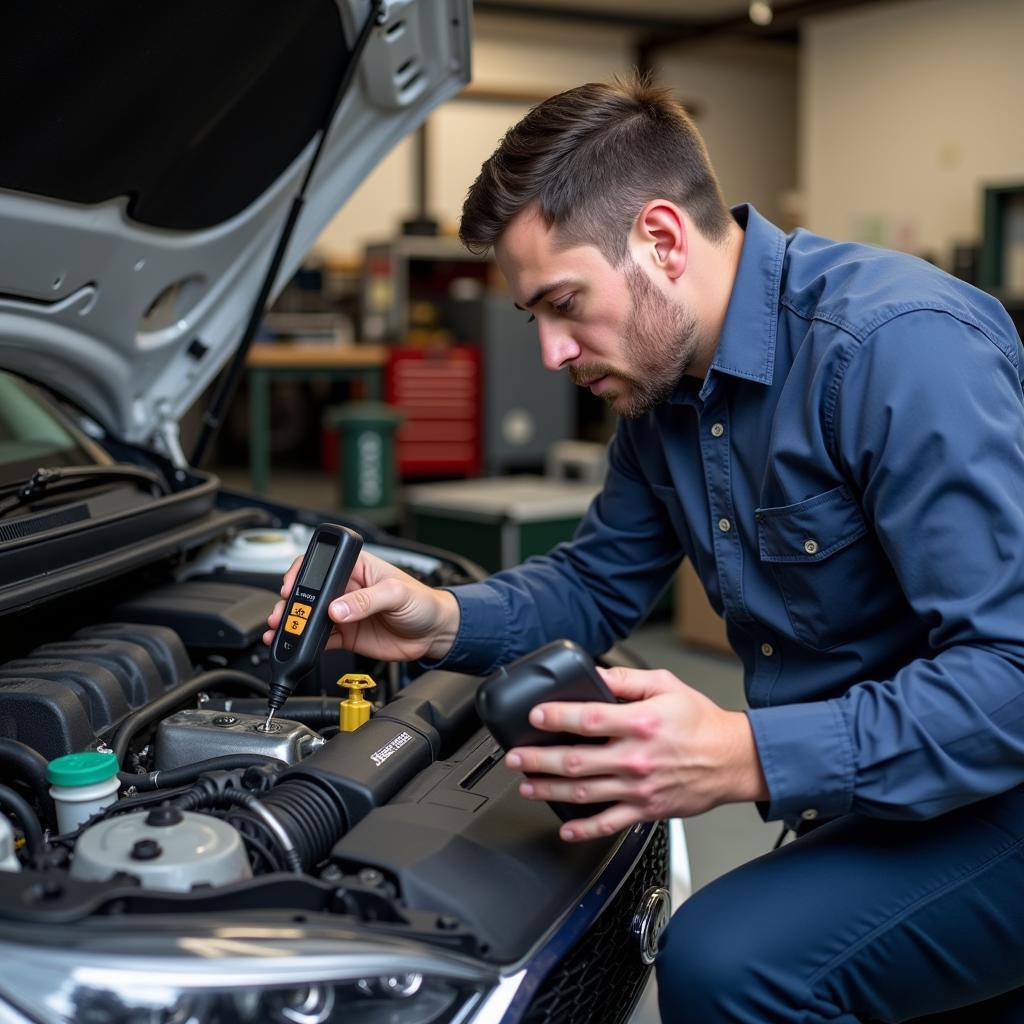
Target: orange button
pixel 297 617
pixel 294 625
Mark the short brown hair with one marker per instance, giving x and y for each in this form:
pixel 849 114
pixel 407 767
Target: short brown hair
pixel 591 158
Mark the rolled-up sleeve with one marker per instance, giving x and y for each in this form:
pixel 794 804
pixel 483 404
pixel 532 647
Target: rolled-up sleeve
pixel 927 426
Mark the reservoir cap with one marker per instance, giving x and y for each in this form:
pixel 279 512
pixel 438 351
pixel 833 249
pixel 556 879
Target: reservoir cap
pixel 82 769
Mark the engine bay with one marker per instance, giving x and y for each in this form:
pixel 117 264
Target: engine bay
pixel 400 827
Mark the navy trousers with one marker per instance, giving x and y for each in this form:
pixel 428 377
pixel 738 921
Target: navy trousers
pixel 860 920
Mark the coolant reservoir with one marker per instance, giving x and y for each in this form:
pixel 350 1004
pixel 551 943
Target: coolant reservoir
pixel 261 550
pixel 165 848
pixel 83 785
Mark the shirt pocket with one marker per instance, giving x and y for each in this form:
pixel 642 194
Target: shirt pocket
pixel 825 565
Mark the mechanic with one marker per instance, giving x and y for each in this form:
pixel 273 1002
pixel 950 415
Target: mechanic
pixel 834 435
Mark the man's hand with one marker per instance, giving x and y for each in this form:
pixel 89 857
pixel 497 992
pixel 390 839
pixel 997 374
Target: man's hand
pixel 385 614
pixel 671 752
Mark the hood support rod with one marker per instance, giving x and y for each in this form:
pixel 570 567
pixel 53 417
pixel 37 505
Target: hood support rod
pixel 213 417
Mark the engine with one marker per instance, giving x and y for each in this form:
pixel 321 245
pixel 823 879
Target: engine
pixel 185 802
pixel 143 800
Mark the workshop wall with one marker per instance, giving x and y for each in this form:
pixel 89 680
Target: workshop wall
pixel 906 111
pixel 747 96
pixel 745 100
pixel 508 54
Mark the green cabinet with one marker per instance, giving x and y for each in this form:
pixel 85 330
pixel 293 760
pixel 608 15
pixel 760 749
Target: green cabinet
pixel 497 523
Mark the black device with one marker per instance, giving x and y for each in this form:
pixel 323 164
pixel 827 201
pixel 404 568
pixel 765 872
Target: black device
pixel 305 626
pixel 559 671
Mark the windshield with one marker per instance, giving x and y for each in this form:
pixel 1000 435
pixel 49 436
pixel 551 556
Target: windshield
pixel 31 435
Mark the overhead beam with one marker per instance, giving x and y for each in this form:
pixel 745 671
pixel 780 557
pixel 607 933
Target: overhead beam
pixel 589 16
pixel 785 23
pixel 656 33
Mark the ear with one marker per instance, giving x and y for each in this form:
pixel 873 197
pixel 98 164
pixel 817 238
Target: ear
pixel 659 238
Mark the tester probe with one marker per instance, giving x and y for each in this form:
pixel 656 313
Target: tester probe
pixel 305 626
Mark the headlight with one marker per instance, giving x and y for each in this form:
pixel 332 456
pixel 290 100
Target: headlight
pixel 367 1001
pixel 264 988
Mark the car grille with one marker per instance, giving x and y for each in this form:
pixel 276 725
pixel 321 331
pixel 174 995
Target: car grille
pixel 602 977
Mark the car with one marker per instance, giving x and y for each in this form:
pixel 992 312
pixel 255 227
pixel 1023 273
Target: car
pixel 165 854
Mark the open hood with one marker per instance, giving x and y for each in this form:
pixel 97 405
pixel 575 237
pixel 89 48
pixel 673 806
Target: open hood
pixel 152 153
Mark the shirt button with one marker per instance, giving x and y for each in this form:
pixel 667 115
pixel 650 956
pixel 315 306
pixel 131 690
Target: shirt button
pixel 809 815
pixel 724 525
pixel 717 429
pixel 767 650
pixel 811 547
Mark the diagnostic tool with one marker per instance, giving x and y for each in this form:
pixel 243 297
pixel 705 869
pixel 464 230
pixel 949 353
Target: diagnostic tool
pixel 305 626
pixel 559 671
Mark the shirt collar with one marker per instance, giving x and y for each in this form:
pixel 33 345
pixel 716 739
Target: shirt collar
pixel 746 347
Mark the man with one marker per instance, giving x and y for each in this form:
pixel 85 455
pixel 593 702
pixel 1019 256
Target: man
pixel 834 435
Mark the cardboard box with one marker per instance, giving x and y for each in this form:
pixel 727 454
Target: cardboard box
pixel 697 624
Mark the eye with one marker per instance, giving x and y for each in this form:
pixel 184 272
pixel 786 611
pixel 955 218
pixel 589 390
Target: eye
pixel 564 306
pixel 531 319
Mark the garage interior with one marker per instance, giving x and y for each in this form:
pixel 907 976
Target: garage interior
pixel 889 123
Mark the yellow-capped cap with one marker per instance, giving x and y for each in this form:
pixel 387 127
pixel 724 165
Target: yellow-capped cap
pixel 355 710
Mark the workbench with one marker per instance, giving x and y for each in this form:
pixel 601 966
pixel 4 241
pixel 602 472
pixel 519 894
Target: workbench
pixel 299 360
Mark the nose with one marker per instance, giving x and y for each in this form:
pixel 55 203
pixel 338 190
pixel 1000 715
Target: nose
pixel 557 346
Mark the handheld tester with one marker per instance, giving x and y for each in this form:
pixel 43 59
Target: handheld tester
pixel 305 626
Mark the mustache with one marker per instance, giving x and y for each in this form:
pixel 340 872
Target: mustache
pixel 584 376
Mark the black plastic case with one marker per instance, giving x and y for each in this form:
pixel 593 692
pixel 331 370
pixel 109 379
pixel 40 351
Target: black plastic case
pixel 559 671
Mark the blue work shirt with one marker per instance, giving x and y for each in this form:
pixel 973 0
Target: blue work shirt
pixel 848 482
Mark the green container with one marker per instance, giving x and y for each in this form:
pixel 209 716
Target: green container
pixel 366 462
pixel 498 523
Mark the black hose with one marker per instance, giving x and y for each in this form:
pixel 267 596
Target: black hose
pixel 186 773
pixel 129 803
pixel 30 767
pixel 223 678
pixel 246 825
pixel 122 806
pixel 16 804
pixel 310 815
pixel 315 712
pixel 200 797
pixel 302 819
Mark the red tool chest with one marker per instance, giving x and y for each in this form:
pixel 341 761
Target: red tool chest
pixel 438 391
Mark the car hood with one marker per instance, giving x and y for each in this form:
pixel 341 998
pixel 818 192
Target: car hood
pixel 153 153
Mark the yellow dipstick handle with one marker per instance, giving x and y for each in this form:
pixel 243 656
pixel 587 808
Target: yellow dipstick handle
pixel 355 709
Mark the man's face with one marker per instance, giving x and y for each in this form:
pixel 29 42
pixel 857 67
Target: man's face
pixel 610 328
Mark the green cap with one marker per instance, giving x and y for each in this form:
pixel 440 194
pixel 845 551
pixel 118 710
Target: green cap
pixel 82 769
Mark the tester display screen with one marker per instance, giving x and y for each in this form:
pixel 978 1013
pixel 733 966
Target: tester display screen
pixel 317 564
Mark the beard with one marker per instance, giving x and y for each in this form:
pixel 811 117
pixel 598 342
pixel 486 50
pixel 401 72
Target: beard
pixel 658 347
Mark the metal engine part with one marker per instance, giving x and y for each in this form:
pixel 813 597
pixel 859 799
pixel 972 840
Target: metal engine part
pixel 198 733
pixel 8 861
pixel 165 848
